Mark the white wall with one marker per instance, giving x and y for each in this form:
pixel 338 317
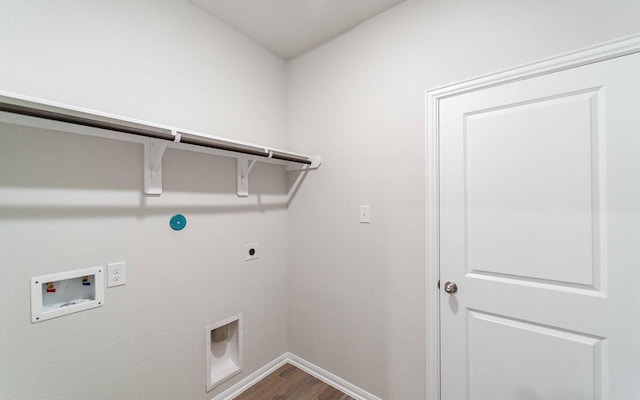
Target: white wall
pixel 357 292
pixel 69 201
pixel 164 61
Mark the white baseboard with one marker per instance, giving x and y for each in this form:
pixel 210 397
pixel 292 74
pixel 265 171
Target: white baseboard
pixel 252 379
pixel 330 379
pixel 312 369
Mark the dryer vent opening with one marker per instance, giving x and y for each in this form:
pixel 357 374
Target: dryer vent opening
pixel 224 350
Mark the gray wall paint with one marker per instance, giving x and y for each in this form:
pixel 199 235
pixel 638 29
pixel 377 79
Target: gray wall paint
pixel 357 292
pixel 69 201
pixel 164 61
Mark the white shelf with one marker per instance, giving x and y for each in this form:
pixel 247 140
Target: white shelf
pixel 156 138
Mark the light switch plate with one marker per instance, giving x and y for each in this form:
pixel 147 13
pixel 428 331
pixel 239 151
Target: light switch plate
pixel 365 214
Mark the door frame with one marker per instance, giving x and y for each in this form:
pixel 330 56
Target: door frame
pixel 593 54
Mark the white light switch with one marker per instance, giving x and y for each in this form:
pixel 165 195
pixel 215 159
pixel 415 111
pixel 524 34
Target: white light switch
pixel 365 214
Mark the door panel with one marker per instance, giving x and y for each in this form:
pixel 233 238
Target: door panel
pixel 540 229
pixel 520 348
pixel 537 208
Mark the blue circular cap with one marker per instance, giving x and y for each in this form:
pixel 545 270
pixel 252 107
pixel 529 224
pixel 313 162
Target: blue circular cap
pixel 178 222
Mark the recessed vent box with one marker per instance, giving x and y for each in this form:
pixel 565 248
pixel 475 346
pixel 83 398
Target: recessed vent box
pixel 55 295
pixel 224 350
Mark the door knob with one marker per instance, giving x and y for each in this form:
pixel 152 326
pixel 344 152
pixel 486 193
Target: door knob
pixel 450 287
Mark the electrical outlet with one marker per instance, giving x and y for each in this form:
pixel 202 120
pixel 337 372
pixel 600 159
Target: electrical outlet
pixel 116 274
pixel 251 251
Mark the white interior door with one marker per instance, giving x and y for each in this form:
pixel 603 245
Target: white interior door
pixel 539 228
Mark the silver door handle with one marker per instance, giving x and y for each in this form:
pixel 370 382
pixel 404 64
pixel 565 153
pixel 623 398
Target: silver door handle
pixel 450 287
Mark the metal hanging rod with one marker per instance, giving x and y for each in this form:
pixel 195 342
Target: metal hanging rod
pixel 22 105
pixel 154 137
pixel 55 116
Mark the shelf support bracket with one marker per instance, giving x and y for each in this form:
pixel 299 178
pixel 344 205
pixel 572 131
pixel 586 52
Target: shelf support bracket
pixel 244 167
pixel 153 153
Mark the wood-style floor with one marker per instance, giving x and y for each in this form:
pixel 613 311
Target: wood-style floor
pixel 291 383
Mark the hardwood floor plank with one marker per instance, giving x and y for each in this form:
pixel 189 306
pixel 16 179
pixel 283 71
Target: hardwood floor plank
pixel 267 385
pixel 291 383
pixel 331 393
pixel 286 371
pixel 295 381
pixel 309 391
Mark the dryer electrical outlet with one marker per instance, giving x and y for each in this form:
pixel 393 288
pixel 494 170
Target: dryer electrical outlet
pixel 251 251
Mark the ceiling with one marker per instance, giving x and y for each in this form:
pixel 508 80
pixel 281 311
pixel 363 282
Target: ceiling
pixel 291 27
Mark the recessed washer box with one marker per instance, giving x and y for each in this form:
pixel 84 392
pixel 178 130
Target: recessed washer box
pixel 55 295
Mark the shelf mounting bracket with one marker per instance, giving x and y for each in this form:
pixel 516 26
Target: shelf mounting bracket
pixel 244 167
pixel 153 153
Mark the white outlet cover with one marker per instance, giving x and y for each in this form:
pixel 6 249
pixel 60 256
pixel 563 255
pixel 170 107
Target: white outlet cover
pixel 247 251
pixel 116 274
